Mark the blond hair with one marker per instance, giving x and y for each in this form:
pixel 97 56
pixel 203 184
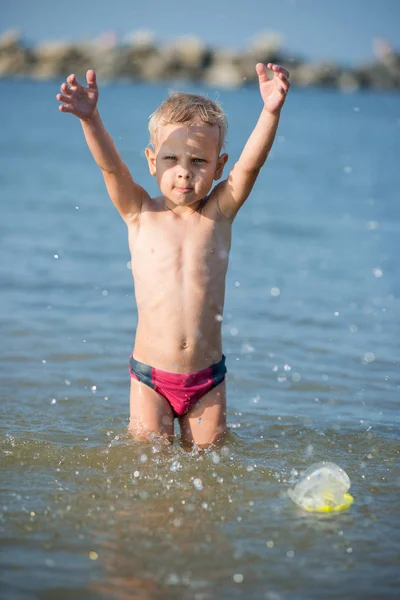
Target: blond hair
pixel 188 109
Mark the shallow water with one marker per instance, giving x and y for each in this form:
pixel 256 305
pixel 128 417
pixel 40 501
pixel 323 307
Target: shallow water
pixel 311 332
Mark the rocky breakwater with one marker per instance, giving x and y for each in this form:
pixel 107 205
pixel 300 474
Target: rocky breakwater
pixel 188 58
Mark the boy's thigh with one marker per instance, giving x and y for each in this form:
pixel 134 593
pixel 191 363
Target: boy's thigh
pixel 150 413
pixel 205 423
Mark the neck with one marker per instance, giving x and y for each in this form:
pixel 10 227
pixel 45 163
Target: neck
pixel 182 211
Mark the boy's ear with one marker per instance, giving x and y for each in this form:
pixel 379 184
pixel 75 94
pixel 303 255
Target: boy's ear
pixel 221 162
pixel 151 159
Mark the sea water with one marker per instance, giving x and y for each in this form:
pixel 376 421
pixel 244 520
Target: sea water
pixel 311 334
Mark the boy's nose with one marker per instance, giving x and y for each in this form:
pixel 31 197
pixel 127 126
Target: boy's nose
pixel 184 173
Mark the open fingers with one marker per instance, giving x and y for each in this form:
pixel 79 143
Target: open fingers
pixel 64 99
pixel 278 69
pixel 91 79
pixel 65 108
pixel 285 83
pixel 73 82
pixel 261 72
pixel 65 90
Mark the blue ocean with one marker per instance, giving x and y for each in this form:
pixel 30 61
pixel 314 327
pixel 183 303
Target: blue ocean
pixel 311 334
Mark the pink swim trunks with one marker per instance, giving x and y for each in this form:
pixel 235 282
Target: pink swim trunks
pixel 182 391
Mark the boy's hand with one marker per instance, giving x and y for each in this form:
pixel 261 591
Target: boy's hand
pixel 79 100
pixel 273 91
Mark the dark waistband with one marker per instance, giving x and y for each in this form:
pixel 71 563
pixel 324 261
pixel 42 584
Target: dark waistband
pixel 140 368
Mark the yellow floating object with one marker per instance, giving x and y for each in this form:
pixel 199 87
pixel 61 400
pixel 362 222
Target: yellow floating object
pixel 323 488
pixel 332 507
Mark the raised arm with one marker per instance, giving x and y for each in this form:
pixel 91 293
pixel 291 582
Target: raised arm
pixel 235 189
pixel 81 101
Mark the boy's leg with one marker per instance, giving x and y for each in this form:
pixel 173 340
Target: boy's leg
pixel 150 413
pixel 205 423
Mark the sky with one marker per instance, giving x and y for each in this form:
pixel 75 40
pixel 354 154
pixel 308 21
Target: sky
pixel 341 30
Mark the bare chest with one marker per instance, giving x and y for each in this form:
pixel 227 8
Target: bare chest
pixel 196 246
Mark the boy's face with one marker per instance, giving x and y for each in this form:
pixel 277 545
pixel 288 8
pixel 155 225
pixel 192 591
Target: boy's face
pixel 185 161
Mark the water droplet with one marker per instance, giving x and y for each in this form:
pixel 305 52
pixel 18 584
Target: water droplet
pixel 372 225
pixel 368 357
pixel 198 484
pixel 173 578
pixel 247 349
pixel 175 466
pixel 377 272
pixel 310 448
pixel 93 555
pixel 275 291
pixel 238 578
pixel 215 458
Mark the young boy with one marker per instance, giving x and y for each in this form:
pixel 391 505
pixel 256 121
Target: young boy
pixel 179 244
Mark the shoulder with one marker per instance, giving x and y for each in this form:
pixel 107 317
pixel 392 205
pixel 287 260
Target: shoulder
pixel 212 205
pixel 147 205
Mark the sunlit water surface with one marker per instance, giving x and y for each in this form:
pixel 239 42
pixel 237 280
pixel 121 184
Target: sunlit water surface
pixel 311 334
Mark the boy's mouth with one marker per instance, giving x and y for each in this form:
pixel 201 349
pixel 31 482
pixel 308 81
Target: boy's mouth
pixel 184 190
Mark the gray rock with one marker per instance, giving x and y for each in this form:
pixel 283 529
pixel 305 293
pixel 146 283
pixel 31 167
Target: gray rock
pixel 141 58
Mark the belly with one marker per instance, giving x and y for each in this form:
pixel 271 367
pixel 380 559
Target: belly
pixel 179 325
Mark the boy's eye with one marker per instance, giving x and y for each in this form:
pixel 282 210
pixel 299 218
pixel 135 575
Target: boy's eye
pixel 169 157
pixel 199 160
